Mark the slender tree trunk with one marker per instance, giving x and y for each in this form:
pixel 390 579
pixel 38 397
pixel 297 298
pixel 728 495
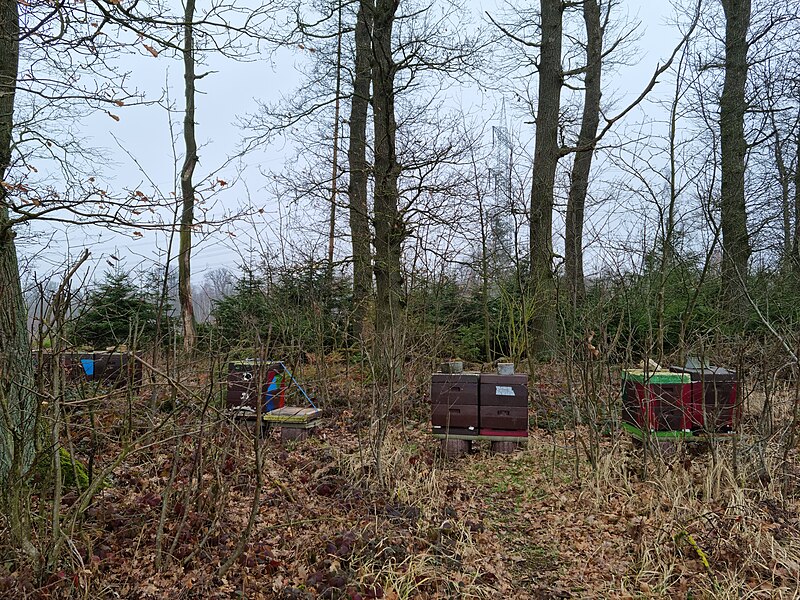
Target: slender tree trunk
pixel 796 237
pixel 545 161
pixel 17 399
pixel 356 155
pixel 187 183
pixel 784 180
pixel 735 241
pixel 579 183
pixel 668 221
pixel 389 227
pixel 487 323
pixel 335 166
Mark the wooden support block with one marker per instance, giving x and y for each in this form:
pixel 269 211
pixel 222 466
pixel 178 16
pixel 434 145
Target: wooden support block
pixel 454 448
pixel 504 447
pixel 290 434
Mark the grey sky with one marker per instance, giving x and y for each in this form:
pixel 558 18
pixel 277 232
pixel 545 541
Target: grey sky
pixel 229 92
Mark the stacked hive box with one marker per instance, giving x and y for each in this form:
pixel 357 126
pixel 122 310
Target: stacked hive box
pixel 479 405
pixel 252 381
pixel 504 405
pixel 656 401
pixel 78 366
pixel 108 368
pixel 714 406
pixel 454 403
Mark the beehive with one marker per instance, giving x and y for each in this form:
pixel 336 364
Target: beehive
pixel 503 404
pixel 714 398
pixel 473 404
pixel 657 401
pixel 252 381
pixel 108 368
pixel 454 403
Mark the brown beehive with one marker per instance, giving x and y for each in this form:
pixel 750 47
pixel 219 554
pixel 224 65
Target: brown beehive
pixel 251 380
pixel 108 368
pixel 454 402
pixel 504 402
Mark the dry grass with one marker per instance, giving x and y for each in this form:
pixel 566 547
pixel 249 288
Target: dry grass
pixel 719 522
pixel 444 560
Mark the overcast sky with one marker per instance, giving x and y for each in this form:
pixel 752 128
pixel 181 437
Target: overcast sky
pixel 143 133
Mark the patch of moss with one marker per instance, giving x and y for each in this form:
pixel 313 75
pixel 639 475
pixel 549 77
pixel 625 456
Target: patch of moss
pixel 73 472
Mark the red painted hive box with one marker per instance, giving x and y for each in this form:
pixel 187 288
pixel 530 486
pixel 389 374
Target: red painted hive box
pixel 659 401
pixel 715 398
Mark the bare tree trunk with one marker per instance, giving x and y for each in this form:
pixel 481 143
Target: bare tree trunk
pixel 784 180
pixel 487 322
pixel 335 166
pixel 796 238
pixel 356 155
pixel 669 222
pixel 187 184
pixel 17 401
pixel 545 161
pixel 735 241
pixel 389 226
pixel 579 183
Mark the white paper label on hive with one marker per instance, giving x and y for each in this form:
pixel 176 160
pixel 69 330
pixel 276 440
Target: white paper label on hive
pixel 504 390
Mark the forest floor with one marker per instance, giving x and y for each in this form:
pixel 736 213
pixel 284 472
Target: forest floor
pixel 542 522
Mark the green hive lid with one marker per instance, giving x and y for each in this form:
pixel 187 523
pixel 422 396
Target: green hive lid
pixel 639 376
pixel 252 361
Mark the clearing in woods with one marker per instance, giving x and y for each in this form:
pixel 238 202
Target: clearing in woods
pixel 539 523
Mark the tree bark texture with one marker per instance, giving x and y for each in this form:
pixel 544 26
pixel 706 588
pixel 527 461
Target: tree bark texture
pixel 335 165
pixel 545 161
pixel 735 241
pixel 784 179
pixel 357 158
pixel 187 183
pixel 487 320
pixel 17 398
pixel 389 226
pixel 579 182
pixel 796 238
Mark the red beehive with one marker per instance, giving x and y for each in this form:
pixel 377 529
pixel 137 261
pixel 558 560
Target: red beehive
pixel 657 401
pixel 714 398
